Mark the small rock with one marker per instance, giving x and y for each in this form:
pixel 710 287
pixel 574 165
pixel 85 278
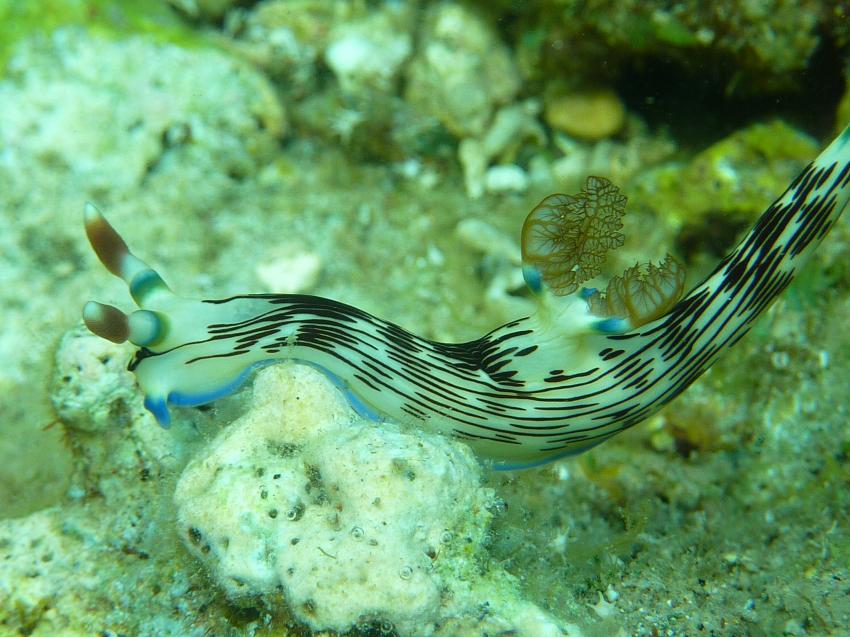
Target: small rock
pixel 590 114
pixel 206 9
pixel 484 237
pixel 506 178
pixel 512 127
pixel 90 384
pixel 290 274
pixel 462 71
pixel 368 54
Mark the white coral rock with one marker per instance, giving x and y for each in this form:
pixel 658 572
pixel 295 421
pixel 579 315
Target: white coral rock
pixel 352 519
pixel 358 524
pixel 368 54
pixel 90 381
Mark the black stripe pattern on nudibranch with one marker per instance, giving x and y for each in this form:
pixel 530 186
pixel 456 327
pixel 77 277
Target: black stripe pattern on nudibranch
pixel 529 391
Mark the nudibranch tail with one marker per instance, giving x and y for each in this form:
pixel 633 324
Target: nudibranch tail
pixel 535 389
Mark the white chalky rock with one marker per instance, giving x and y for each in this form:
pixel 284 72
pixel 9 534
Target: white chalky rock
pixel 89 380
pixel 354 521
pixel 506 178
pixel 369 53
pixel 290 274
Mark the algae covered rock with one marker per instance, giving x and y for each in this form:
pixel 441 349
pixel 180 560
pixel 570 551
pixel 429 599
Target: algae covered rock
pixel 287 38
pixel 368 54
pixel 754 47
pixel 842 116
pixel 121 119
pixel 737 175
pixel 20 21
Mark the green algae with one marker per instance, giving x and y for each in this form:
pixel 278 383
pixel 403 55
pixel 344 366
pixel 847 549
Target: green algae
pixel 107 18
pixel 756 47
pixel 734 176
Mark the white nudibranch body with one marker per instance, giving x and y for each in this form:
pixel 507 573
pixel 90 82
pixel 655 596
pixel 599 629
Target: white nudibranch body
pixel 538 388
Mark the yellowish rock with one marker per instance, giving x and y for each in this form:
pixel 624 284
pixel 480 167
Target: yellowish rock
pixel 590 114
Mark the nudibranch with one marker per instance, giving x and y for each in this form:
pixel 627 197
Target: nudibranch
pixel 541 387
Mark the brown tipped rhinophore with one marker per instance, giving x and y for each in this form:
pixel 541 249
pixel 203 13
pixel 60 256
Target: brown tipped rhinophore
pixel 106 321
pixel 106 242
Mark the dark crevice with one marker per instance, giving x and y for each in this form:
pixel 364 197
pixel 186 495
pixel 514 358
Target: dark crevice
pixel 698 102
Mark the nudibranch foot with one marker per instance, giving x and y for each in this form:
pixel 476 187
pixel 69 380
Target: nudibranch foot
pixel 612 325
pixel 538 388
pixel 158 407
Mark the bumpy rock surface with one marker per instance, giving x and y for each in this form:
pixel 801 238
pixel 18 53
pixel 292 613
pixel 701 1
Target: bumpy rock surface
pixel 462 70
pixel 357 523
